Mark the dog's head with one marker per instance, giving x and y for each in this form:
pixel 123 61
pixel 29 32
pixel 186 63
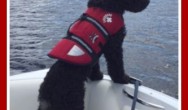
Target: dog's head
pixel 120 5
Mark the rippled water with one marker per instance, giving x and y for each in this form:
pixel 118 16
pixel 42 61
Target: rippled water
pixel 150 48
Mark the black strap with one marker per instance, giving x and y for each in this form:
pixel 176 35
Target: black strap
pixel 72 25
pixel 94 22
pixel 81 42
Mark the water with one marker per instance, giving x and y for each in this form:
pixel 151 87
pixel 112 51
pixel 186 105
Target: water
pixel 150 47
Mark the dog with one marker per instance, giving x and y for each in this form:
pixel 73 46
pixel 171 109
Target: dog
pixel 99 30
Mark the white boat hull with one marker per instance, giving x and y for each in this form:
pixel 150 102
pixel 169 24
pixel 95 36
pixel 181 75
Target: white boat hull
pixel 100 95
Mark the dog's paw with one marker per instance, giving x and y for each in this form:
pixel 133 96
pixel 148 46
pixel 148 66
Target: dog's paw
pixel 96 76
pixel 123 80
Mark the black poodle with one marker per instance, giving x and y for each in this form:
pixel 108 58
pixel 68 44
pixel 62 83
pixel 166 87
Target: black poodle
pixel 78 54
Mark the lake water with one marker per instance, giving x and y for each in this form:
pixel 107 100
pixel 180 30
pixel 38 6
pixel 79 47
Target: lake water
pixel 150 47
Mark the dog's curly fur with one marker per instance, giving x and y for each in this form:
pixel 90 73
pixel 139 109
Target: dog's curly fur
pixel 63 86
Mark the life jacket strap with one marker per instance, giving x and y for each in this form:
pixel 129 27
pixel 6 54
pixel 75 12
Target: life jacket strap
pixel 81 42
pixel 94 22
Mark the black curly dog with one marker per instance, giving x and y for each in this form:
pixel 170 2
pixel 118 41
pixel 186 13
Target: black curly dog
pixel 63 86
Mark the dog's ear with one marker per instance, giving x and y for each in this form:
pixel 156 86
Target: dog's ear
pixel 134 5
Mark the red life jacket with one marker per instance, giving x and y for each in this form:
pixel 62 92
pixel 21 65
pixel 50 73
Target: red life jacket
pixel 87 37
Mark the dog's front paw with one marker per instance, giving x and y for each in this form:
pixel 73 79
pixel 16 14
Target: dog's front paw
pixel 123 80
pixel 96 76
